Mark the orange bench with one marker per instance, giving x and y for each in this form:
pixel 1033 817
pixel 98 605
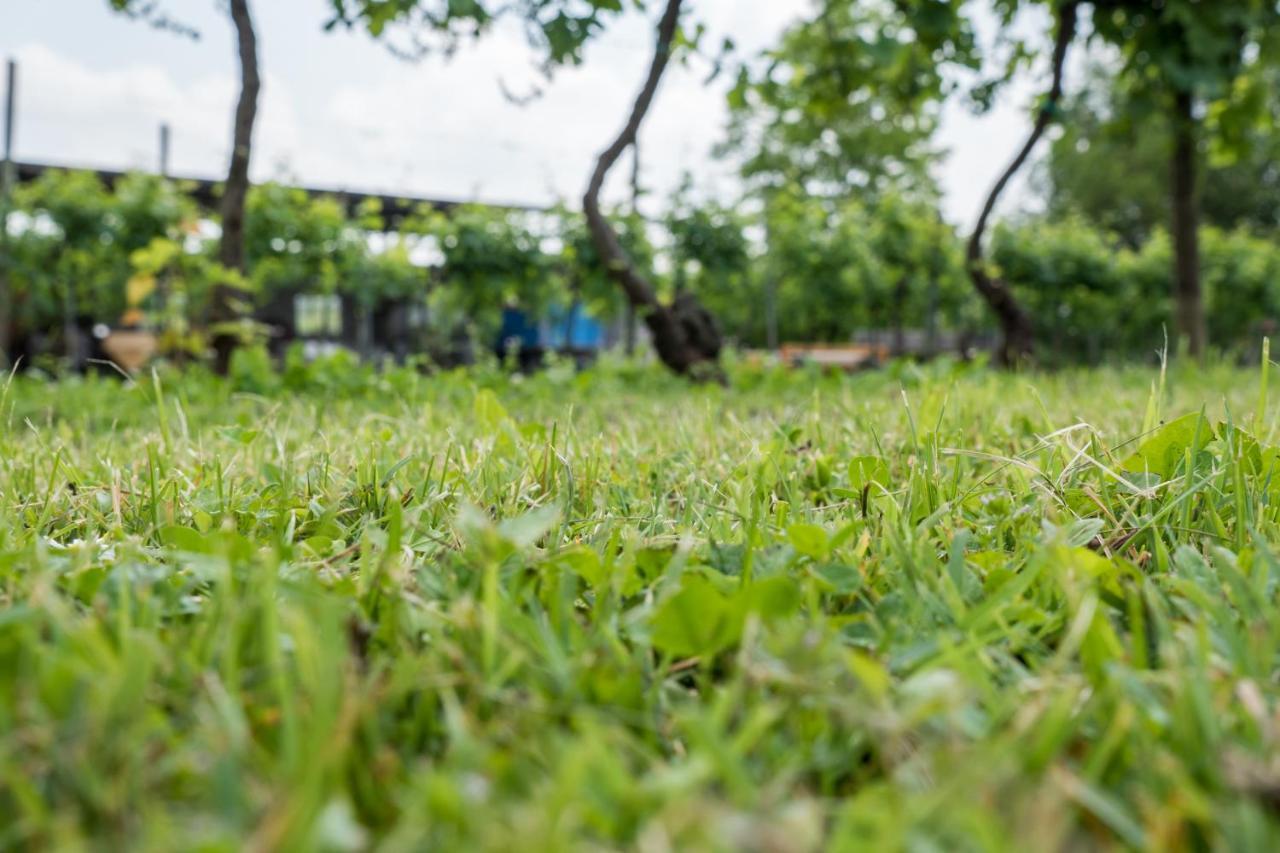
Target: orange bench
pixel 842 356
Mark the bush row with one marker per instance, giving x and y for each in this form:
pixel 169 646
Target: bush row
pixel 816 269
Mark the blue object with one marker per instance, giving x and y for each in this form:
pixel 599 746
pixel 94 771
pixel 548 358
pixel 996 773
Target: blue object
pixel 574 329
pixel 560 329
pixel 516 330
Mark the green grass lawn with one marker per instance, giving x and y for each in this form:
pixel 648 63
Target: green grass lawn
pixel 935 608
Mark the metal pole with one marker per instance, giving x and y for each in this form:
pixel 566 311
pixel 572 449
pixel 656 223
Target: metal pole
pixel 11 85
pixel 6 187
pixel 164 150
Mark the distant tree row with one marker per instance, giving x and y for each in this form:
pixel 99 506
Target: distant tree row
pixel 799 268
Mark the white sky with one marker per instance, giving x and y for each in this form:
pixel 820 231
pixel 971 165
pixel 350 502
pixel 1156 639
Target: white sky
pixel 338 110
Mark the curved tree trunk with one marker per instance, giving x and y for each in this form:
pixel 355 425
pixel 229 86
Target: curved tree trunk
pixel 684 333
pixel 236 190
pixel 1016 330
pixel 1186 233
pixel 7 180
pixel 629 335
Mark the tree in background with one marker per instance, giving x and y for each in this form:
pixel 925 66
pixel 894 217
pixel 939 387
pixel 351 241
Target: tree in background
pixel 293 240
pixel 492 258
pixel 1017 330
pixel 683 333
pixel 586 274
pixel 231 252
pixel 838 115
pixel 228 302
pixel 846 104
pixel 1110 166
pixel 839 268
pixel 1203 66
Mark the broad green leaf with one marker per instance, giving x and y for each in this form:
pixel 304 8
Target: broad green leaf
pixel 651 562
pixel 870 672
pixel 865 470
pixel 809 540
pixel 841 577
pixel 138 288
pixel 771 598
pixel 1163 452
pixel 183 539
pixel 696 620
pixel 585 563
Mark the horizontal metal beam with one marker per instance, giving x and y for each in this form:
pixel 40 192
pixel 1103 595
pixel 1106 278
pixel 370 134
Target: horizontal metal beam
pixel 205 192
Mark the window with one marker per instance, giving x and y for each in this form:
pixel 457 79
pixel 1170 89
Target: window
pixel 317 315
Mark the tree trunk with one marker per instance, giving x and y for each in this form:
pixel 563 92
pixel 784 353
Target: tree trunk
pixel 1191 324
pixel 1016 330
pixel 629 335
pixel 6 299
pixel 684 334
pixel 899 345
pixel 7 180
pixel 236 190
pixel 72 347
pixel 771 314
pixel 770 290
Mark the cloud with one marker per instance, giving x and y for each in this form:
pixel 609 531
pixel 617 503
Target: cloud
pixel 71 113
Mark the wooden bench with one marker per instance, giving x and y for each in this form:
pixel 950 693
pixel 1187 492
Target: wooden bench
pixel 842 356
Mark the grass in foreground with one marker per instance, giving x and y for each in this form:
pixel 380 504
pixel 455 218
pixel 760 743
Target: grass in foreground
pixel 935 609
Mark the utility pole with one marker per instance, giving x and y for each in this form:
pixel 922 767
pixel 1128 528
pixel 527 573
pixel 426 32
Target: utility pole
pixel 6 188
pixel 164 150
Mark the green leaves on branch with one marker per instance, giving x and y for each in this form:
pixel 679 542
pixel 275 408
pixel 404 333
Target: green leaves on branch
pixel 557 30
pixel 847 102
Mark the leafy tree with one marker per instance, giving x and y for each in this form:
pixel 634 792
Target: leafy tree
pixel 169 290
pixel 846 103
pixel 850 100
pixel 841 266
pixel 1203 66
pixel 1091 296
pixel 557 30
pixel 296 242
pixel 1111 166
pixel 1016 328
pixel 227 304
pixel 922 282
pixel 71 265
pixel 684 333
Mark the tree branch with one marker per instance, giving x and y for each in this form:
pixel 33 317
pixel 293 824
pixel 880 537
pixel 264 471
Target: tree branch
pixel 639 290
pixel 1066 34
pixel 231 249
pixel 236 190
pixel 1014 322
